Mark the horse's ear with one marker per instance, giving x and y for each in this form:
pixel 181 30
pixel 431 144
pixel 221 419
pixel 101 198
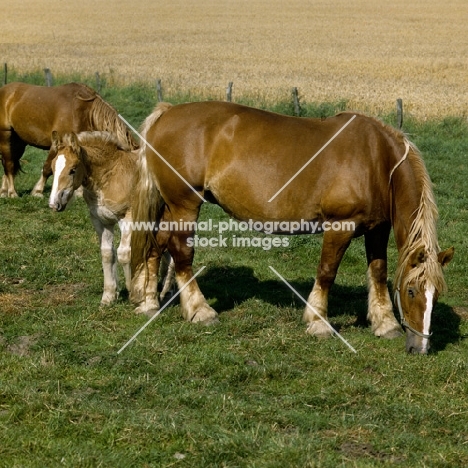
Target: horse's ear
pixel 418 256
pixel 74 142
pixel 445 257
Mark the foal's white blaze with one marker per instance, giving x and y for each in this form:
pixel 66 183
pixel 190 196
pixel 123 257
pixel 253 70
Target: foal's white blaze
pixel 430 290
pixel 59 165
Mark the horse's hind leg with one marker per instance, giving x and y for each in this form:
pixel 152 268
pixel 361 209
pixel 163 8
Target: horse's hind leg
pixel 5 155
pixel 380 309
pixel 4 187
pixel 124 250
pixel 11 152
pixel 144 281
pixel 167 273
pixel 333 248
pixel 194 305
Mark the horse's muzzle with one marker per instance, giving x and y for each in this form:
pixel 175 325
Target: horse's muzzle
pixel 60 201
pixel 416 344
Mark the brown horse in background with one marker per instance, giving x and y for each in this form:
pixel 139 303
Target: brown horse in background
pixel 29 114
pixel 345 170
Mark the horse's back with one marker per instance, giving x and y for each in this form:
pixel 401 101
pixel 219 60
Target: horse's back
pixel 33 111
pixel 243 156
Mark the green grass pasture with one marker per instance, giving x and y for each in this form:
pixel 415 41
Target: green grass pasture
pixel 252 391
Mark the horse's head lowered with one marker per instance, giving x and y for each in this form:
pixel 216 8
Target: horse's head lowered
pixel 418 284
pixel 68 169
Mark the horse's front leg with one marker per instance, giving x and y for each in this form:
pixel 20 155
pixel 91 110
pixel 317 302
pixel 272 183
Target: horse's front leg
pixel 333 248
pixel 109 263
pixel 38 189
pixel 380 308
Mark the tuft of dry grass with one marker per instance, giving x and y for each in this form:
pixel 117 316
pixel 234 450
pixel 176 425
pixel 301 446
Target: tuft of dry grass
pixel 23 300
pixel 368 52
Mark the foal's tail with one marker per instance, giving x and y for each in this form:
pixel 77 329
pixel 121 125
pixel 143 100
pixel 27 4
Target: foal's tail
pixel 147 203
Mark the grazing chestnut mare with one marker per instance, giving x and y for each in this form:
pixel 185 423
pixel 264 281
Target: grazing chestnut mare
pixel 29 114
pixel 106 171
pixel 345 170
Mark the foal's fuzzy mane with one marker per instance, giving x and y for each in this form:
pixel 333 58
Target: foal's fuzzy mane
pixel 422 233
pixel 100 139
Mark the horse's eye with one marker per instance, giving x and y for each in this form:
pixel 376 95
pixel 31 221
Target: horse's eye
pixel 411 293
pixel 72 171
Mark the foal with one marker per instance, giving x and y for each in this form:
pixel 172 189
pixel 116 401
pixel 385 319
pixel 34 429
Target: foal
pixel 106 170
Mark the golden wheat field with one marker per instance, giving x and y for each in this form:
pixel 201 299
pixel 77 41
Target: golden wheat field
pixel 368 52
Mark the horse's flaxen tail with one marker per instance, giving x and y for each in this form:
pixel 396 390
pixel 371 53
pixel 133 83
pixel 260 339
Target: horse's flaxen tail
pixel 104 117
pixel 147 202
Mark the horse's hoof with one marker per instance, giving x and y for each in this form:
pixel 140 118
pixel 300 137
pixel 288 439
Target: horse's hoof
pixel 210 322
pixel 319 330
pixel 205 315
pixel 392 334
pixel 37 194
pixel 106 303
pixel 147 309
pixel 108 299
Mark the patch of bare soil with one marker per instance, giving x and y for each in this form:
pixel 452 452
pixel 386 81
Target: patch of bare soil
pixel 354 449
pixel 26 299
pixel 462 312
pixel 22 344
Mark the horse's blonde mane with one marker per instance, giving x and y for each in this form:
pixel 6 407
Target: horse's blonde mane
pixel 104 117
pixel 422 233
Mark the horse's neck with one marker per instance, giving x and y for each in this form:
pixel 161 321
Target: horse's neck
pixel 406 199
pixel 96 166
pixel 109 178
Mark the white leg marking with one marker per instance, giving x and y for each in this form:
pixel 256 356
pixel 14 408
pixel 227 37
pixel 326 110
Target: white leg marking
pixel 124 254
pixel 59 166
pixel 109 266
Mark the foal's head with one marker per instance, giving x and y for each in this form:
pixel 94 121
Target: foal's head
pixel 68 169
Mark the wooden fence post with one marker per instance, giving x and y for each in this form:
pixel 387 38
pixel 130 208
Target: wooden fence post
pixel 229 92
pixel 399 104
pixel 98 82
pixel 159 90
pixel 297 105
pixel 48 77
pixel 5 73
